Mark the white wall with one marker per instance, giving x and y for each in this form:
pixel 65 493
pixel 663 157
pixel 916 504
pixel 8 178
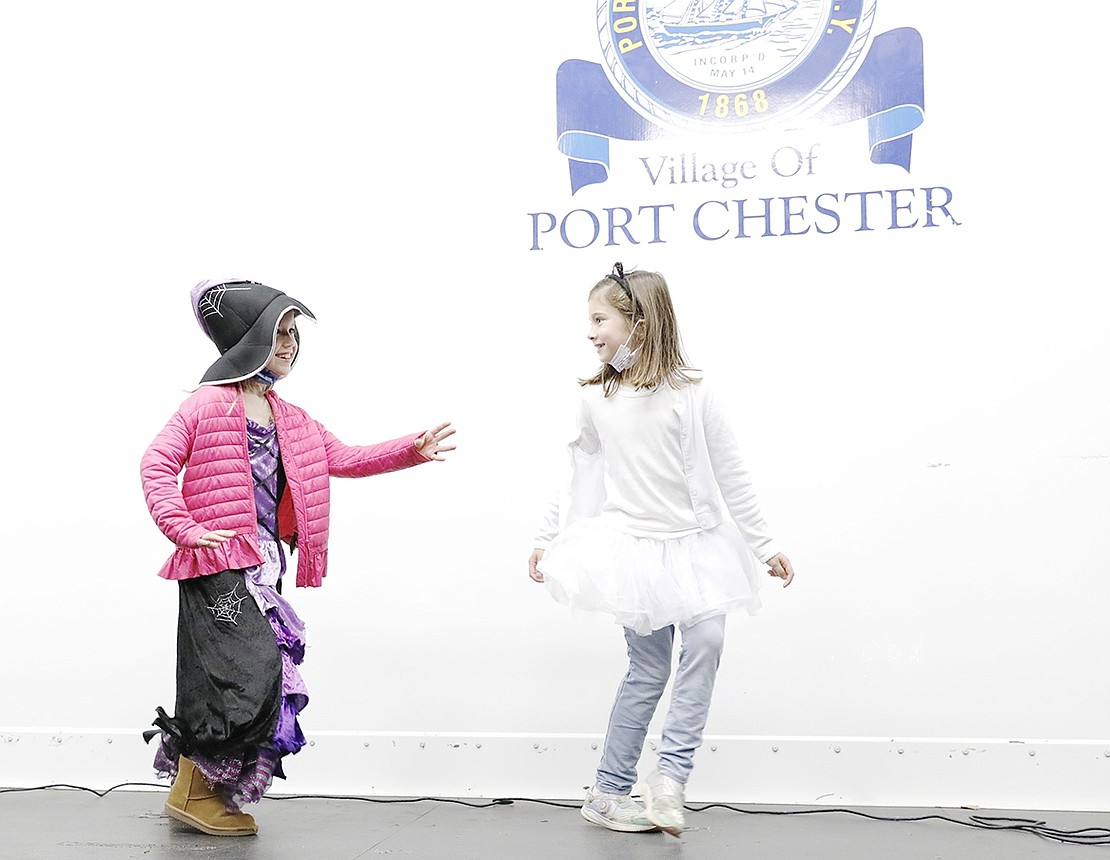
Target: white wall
pixel 923 410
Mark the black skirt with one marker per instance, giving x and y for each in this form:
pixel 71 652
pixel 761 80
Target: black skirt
pixel 228 670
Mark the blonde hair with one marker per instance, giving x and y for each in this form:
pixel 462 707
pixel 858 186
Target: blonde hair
pixel 661 355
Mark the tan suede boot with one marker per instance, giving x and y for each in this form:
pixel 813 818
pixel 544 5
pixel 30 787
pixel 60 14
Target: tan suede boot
pixel 193 802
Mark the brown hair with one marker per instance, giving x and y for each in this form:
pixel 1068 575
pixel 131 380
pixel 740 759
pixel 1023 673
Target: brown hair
pixel 661 355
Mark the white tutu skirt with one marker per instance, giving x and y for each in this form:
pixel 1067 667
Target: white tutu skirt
pixel 647 584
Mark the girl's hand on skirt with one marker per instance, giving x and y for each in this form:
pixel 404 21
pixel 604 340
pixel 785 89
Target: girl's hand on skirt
pixel 780 567
pixel 215 538
pixel 534 571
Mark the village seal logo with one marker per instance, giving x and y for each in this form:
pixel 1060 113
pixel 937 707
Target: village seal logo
pixel 723 65
pixel 732 66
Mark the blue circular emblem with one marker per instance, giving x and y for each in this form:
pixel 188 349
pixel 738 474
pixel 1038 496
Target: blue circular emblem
pixel 731 65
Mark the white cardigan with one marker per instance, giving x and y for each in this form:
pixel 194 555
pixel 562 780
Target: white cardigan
pixel 716 476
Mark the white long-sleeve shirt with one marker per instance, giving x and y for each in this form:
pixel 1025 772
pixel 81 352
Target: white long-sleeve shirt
pixel 657 463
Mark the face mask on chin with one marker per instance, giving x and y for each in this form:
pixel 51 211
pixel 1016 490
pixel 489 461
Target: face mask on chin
pixel 624 357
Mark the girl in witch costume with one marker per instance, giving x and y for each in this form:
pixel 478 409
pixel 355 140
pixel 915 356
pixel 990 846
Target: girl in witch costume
pixel 256 472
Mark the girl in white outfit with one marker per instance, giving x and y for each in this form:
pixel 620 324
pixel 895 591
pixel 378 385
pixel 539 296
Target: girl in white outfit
pixel 660 528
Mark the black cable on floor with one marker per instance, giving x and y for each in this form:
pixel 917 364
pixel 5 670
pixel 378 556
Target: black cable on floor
pixel 83 787
pixel 1083 836
pixel 497 801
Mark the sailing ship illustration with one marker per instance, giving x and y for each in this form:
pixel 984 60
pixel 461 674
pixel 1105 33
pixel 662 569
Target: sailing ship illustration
pixel 731 17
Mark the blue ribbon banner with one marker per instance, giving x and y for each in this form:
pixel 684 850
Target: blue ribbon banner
pixel 888 91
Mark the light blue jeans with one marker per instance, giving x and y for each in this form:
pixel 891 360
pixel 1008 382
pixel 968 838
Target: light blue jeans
pixel 649 670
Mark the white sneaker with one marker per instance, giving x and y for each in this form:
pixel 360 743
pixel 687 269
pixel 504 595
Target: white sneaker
pixel 615 811
pixel 664 798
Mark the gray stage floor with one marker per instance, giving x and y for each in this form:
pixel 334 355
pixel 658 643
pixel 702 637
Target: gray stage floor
pixel 61 824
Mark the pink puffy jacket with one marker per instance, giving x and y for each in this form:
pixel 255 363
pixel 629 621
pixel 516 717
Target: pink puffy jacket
pixel 207 436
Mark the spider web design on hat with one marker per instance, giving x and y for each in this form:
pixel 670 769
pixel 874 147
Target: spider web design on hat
pixel 212 301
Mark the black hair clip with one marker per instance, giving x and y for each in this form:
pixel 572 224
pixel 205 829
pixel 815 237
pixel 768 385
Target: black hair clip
pixel 618 275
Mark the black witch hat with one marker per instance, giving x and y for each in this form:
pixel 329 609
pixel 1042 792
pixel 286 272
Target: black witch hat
pixel 241 318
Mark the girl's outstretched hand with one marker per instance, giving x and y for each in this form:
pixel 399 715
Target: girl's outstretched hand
pixel 431 443
pixel 534 571
pixel 780 567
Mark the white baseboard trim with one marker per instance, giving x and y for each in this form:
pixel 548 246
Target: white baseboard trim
pixel 797 771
